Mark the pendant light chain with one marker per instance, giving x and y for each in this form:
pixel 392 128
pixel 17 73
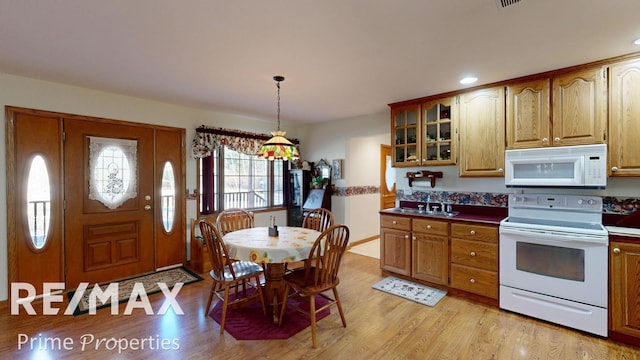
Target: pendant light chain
pixel 278 147
pixel 278 85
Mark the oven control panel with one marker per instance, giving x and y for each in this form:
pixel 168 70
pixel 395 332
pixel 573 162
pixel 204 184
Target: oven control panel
pixel 556 201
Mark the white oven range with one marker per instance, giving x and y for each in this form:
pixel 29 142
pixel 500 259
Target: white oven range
pixel 554 260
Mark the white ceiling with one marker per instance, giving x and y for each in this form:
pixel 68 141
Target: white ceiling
pixel 341 58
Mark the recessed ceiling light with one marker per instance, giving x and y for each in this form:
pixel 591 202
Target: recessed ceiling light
pixel 468 80
pixel 637 41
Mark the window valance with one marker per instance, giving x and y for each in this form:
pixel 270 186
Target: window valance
pixel 208 138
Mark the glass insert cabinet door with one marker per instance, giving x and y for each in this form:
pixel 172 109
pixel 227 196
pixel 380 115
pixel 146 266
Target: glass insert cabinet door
pixel 405 127
pixel 438 128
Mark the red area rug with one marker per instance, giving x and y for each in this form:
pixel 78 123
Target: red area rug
pixel 249 323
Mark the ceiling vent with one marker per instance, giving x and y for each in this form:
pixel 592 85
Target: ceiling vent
pixel 505 3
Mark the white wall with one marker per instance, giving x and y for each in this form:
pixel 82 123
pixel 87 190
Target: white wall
pixel 357 141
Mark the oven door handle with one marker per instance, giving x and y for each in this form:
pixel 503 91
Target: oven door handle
pixel 559 236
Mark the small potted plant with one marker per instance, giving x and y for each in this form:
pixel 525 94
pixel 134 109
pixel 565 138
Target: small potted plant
pixel 318 182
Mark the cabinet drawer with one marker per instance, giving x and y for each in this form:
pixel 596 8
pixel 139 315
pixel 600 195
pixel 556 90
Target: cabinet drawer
pixel 475 253
pixel 429 226
pixel 477 281
pixel 475 232
pixel 396 222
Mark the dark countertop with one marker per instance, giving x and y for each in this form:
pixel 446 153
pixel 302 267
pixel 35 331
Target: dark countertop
pixel 471 213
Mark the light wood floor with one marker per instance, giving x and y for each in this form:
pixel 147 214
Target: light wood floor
pixel 379 326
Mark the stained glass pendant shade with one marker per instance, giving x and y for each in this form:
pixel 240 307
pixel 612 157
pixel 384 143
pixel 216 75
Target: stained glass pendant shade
pixel 278 147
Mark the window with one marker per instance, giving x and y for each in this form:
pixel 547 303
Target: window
pixel 230 179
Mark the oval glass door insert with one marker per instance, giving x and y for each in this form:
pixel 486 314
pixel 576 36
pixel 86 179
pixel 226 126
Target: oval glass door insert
pixel 38 202
pixel 168 197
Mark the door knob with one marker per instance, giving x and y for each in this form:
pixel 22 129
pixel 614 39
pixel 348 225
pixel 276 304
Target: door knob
pixel 147 207
pixel 147 197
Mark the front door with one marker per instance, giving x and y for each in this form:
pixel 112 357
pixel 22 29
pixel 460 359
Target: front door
pixel 109 189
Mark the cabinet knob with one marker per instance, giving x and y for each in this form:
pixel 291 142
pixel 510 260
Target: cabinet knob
pixel 472 232
pixel 414 238
pixel 406 236
pixel 473 253
pixel 544 140
pixel 473 281
pixel 614 169
pixel 500 170
pixel 394 222
pixel 616 250
pixel 428 227
pixel 557 139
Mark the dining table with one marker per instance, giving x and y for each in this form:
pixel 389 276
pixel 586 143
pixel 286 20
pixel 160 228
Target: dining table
pixel 292 244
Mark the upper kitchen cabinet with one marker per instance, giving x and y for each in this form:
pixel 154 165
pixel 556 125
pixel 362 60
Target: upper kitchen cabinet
pixel 438 132
pixel 528 114
pixel 624 118
pixel 580 107
pixel 482 135
pixel 405 135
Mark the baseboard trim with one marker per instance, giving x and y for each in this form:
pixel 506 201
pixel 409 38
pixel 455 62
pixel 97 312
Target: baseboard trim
pixel 362 241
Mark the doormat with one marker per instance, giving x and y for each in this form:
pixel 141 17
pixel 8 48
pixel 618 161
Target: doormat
pixel 411 291
pixel 150 281
pixel 249 323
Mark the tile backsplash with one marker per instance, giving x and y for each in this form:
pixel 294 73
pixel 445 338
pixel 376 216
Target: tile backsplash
pixel 611 205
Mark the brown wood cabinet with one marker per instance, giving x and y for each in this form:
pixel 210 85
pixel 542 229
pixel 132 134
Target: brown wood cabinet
pixel 474 258
pixel 624 118
pixel 482 134
pixel 430 250
pixel 461 255
pixel 395 244
pixel 424 134
pixel 405 135
pixel 528 116
pixel 624 303
pixel 580 107
pixel 439 125
pixel 579 110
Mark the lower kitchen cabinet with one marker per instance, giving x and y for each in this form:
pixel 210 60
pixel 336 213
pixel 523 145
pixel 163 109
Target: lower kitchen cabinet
pixel 456 254
pixel 430 250
pixel 395 244
pixel 624 303
pixel 474 258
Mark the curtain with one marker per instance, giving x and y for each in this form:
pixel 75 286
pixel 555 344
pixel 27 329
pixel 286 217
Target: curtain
pixel 207 139
pixel 113 178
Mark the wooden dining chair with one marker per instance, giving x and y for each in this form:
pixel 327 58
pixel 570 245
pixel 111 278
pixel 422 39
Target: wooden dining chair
pixel 319 275
pixel 234 219
pixel 230 275
pixel 318 219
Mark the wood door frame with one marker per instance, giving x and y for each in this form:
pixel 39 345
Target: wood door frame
pixel 13 213
pixel 383 172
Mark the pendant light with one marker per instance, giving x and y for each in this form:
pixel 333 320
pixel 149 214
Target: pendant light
pixel 278 147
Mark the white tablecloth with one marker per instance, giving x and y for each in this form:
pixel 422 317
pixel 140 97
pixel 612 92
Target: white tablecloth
pixel 255 244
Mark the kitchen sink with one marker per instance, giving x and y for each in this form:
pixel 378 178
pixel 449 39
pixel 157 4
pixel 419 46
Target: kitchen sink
pixel 425 212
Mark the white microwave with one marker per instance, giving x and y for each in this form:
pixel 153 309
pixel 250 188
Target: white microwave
pixel 580 166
